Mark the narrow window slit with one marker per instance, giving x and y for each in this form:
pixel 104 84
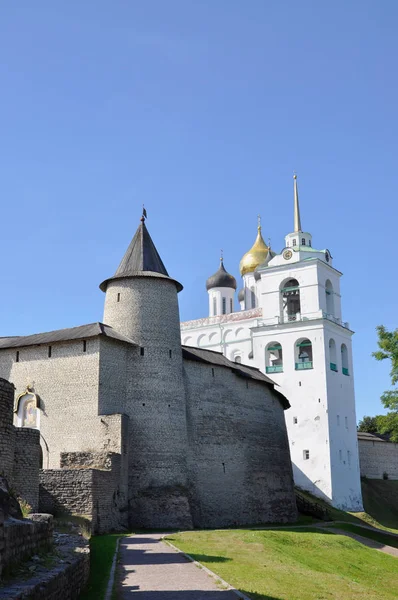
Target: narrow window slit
pixel 50 351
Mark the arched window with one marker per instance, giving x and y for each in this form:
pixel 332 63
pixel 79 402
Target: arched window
pixel 290 299
pixel 303 241
pixel 28 410
pixel 294 242
pixel 332 355
pixel 214 306
pixel 329 298
pixel 224 306
pixel 253 297
pixel 273 358
pixel 303 354
pixel 231 307
pixel 344 359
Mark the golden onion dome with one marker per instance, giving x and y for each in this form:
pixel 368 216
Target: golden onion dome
pixel 256 255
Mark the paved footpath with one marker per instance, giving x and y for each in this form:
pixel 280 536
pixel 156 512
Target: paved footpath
pixel 155 571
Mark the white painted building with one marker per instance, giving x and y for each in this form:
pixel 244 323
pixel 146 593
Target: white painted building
pixel 290 327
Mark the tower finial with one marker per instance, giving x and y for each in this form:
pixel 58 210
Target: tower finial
pixel 221 255
pixel 144 215
pixel 297 220
pixel 259 222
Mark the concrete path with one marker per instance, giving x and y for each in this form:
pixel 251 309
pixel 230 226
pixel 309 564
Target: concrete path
pixel 155 571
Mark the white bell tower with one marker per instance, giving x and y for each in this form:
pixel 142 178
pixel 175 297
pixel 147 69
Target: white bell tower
pixel 305 346
pixel 290 326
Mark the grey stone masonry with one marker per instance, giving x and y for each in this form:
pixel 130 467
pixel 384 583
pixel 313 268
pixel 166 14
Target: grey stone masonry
pixel 64 491
pixel 240 471
pixel 145 309
pixel 63 579
pixel 97 493
pixel 7 430
pixel 378 458
pixel 24 538
pixel 26 466
pixel 19 450
pixel 2 541
pixel 147 434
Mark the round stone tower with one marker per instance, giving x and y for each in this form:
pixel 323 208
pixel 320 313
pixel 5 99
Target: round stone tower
pixel 141 303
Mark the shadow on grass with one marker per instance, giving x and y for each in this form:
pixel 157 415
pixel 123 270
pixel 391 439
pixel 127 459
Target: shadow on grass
pixel 210 559
pixel 258 596
pixel 124 591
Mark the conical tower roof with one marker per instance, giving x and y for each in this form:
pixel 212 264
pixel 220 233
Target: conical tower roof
pixel 141 260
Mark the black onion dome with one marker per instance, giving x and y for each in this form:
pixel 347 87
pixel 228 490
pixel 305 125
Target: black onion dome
pixel 221 279
pixel 241 295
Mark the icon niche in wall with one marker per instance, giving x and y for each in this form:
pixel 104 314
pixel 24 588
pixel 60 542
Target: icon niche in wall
pixel 27 409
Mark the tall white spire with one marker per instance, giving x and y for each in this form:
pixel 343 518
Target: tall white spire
pixel 297 220
pixel 298 239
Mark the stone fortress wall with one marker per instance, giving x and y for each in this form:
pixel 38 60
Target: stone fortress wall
pixel 26 462
pixel 19 464
pixel 172 426
pixel 378 458
pixel 93 484
pixel 67 383
pixel 238 453
pixel 136 427
pixel 7 430
pixel 19 451
pixel 154 398
pixel 206 447
pixel 20 539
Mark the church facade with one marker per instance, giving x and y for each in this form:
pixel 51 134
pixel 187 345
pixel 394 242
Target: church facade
pixel 187 437
pixel 290 327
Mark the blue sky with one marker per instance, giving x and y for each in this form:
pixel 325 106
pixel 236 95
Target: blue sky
pixel 201 110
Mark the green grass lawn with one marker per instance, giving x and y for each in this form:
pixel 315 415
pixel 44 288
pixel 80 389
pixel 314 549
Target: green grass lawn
pixel 380 499
pixel 378 536
pixel 294 564
pixel 102 548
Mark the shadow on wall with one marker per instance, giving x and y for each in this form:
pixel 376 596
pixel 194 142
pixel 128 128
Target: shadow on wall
pixel 302 481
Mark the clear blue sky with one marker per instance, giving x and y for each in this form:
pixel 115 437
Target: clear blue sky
pixel 201 110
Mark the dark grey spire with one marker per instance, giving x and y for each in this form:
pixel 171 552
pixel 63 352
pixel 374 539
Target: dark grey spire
pixel 141 259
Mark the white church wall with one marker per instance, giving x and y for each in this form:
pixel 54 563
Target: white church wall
pixel 221 301
pixel 346 488
pixel 274 280
pixel 325 274
pixel 307 419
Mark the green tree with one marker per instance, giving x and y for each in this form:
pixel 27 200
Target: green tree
pixel 368 425
pixel 388 349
